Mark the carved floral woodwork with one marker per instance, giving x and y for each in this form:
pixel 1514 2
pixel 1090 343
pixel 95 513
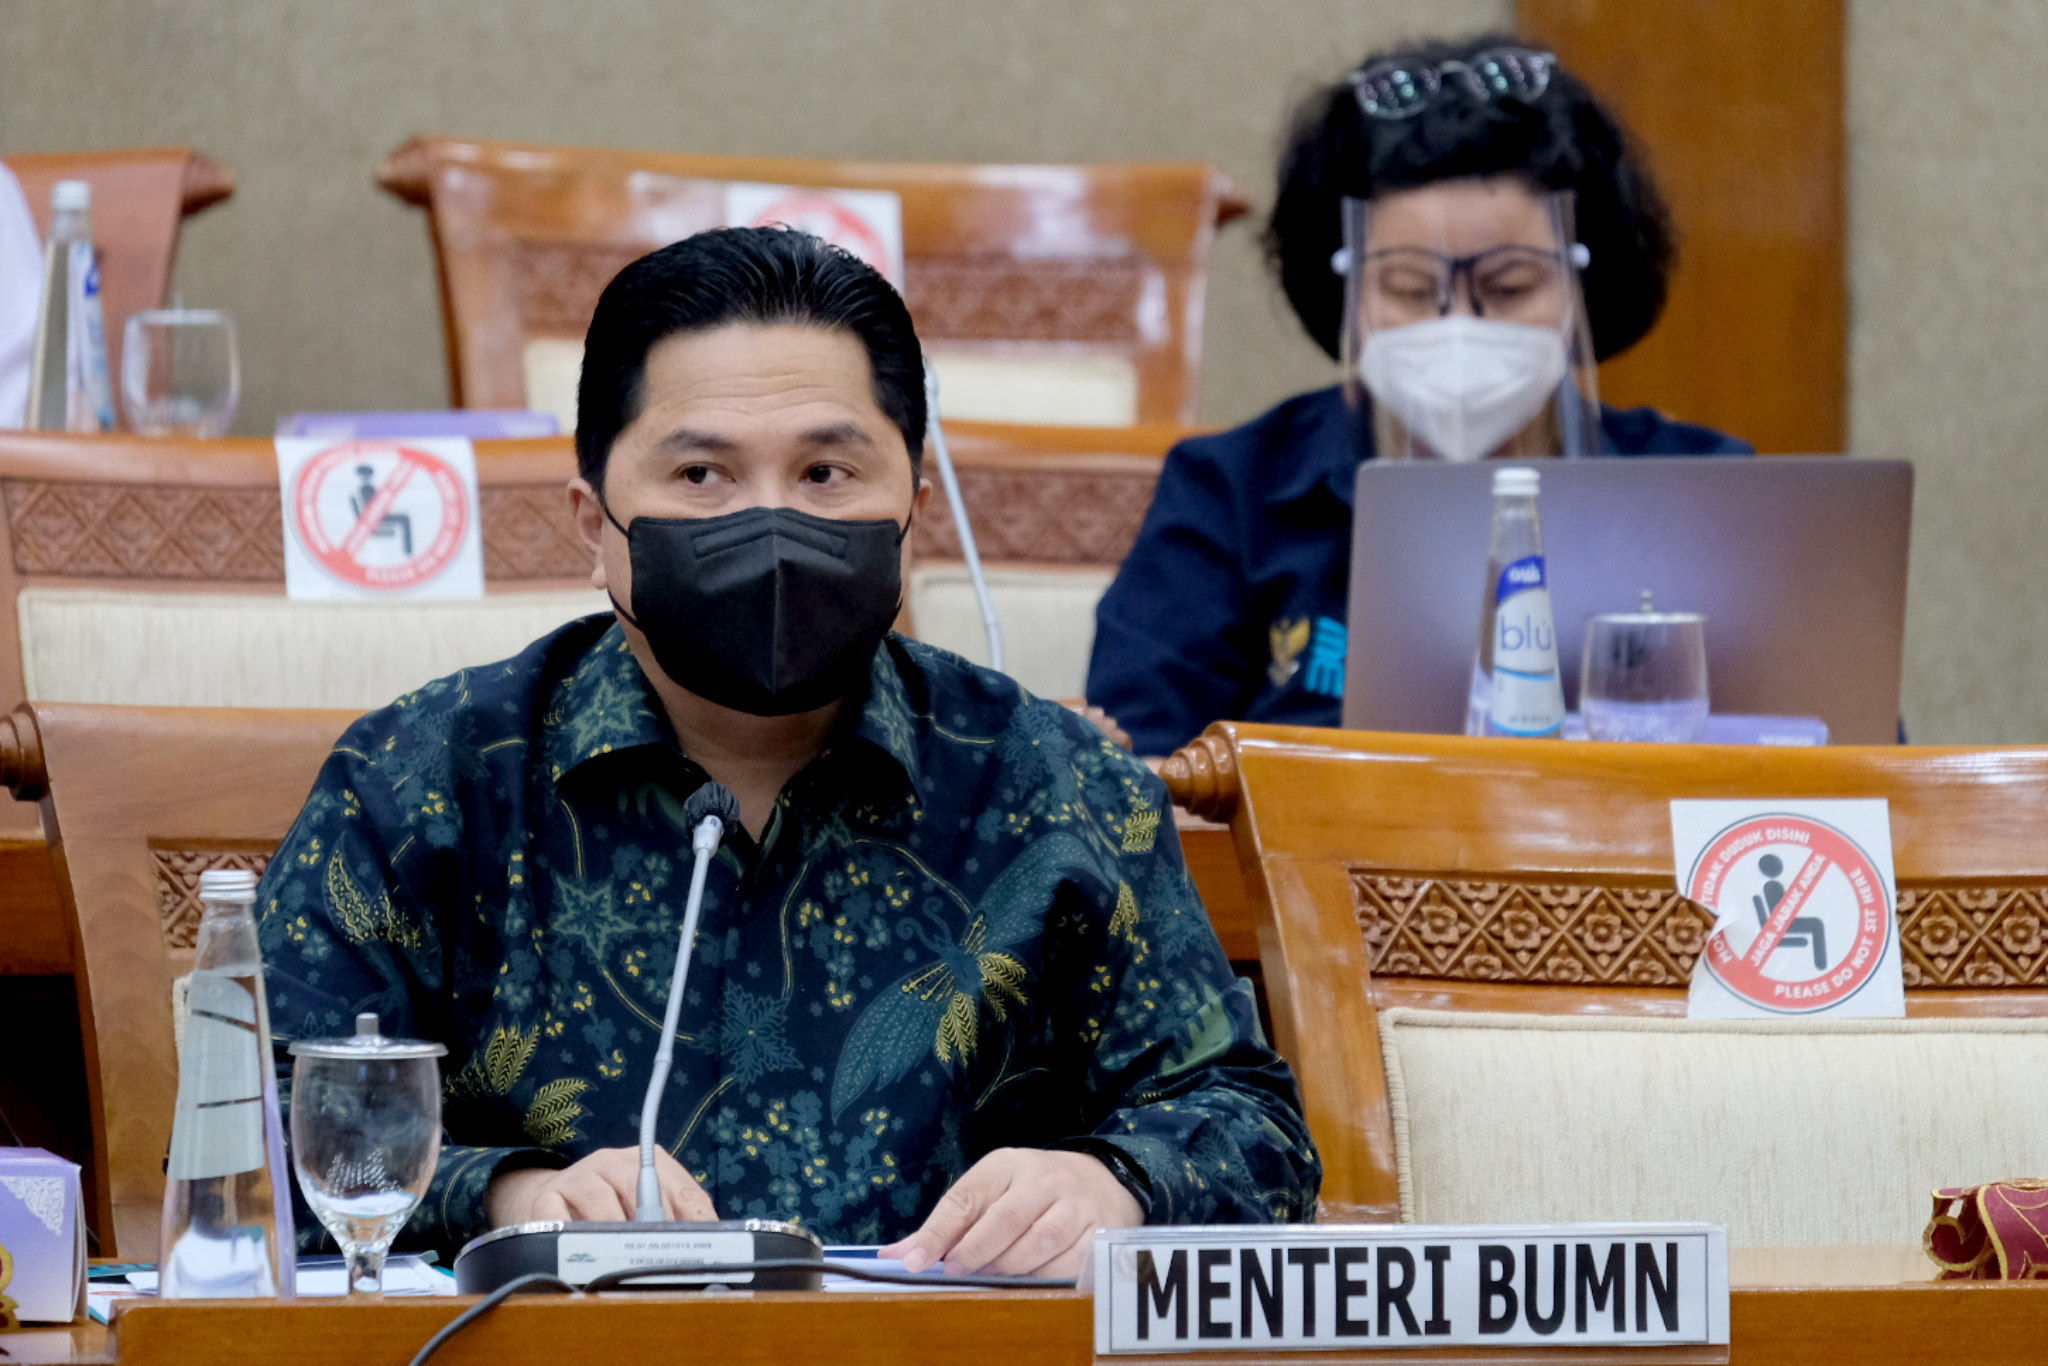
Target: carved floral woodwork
pixel 529 534
pixel 1002 298
pixel 1634 932
pixel 177 882
pixel 555 284
pixel 84 529
pixel 1041 516
pixel 952 298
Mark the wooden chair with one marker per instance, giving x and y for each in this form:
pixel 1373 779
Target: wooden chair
pixel 139 199
pixel 189 521
pixel 99 534
pixel 1511 876
pixel 1054 511
pixel 1043 293
pixel 137 802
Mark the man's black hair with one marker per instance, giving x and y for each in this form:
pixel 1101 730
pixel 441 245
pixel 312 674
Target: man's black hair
pixel 741 275
pixel 1564 139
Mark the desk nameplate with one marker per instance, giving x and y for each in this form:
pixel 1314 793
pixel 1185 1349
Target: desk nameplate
pixel 1352 1287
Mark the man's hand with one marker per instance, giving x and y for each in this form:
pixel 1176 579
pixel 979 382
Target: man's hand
pixel 603 1185
pixel 1020 1212
pixel 1102 720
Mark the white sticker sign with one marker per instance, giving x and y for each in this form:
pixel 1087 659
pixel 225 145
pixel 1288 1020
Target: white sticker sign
pixel 1324 1287
pixel 380 519
pixel 868 223
pixel 1804 906
pixel 581 1257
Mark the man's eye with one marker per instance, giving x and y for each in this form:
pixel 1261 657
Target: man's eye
pixel 823 474
pixel 696 474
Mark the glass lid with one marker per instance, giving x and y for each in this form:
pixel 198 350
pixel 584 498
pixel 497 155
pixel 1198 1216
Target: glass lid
pixel 367 1045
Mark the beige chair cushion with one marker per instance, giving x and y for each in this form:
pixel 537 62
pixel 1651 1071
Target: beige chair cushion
pixel 1047 617
pixel 1060 388
pixel 552 366
pixel 233 650
pixel 1792 1133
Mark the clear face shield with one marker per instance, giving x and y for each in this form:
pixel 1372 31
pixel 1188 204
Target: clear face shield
pixel 1465 327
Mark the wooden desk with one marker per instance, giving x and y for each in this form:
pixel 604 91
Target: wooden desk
pixel 1791 1307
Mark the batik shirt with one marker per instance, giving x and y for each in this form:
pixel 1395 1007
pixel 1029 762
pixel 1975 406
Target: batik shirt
pixel 966 925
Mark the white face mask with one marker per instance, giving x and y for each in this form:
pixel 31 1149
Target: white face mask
pixel 1463 385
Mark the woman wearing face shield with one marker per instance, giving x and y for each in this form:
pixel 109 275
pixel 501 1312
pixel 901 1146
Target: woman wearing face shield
pixel 1468 231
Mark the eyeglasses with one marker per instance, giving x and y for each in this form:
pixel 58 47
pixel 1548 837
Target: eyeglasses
pixel 1511 282
pixel 1397 89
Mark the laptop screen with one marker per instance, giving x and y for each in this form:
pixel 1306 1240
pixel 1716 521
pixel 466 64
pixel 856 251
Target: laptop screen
pixel 1797 562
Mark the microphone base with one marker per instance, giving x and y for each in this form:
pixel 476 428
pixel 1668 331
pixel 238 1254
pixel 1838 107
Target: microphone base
pixel 579 1252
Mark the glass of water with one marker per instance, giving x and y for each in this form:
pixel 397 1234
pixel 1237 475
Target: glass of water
pixel 1644 675
pixel 180 375
pixel 366 1132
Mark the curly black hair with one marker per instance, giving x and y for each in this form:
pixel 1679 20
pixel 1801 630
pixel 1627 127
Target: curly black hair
pixel 1565 139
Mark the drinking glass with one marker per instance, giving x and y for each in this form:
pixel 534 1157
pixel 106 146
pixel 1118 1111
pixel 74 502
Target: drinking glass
pixel 1644 676
pixel 366 1132
pixel 179 372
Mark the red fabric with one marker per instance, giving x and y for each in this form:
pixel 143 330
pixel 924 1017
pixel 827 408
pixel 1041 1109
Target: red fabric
pixel 1993 1232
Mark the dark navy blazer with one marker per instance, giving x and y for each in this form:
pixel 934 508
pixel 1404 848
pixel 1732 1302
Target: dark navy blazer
pixel 1231 603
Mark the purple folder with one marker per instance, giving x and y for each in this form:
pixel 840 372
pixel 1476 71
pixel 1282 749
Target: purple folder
pixel 478 424
pixel 1737 728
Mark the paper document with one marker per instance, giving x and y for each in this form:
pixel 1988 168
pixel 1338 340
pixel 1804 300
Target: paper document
pixel 406 1274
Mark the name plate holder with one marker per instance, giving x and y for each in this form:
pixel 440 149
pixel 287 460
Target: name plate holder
pixel 1654 1293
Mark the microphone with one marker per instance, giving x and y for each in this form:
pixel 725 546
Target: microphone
pixel 653 1251
pixel 710 809
pixel 968 550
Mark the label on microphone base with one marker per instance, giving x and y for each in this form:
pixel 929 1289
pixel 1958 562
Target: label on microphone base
pixel 583 1257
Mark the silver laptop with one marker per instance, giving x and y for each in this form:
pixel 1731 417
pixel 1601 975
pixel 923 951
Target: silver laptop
pixel 1798 562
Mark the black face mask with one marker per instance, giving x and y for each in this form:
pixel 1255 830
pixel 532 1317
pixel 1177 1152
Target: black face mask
pixel 768 611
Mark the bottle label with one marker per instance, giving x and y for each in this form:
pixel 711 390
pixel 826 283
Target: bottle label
pixel 1527 697
pixel 88 390
pixel 219 1126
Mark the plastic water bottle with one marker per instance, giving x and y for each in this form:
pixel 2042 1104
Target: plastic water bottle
pixel 69 388
pixel 227 1229
pixel 1515 685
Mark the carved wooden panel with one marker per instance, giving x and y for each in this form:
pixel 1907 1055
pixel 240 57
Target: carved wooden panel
pixel 176 532
pixel 177 884
pixel 955 298
pixel 1496 930
pixel 1001 298
pixel 148 531
pixel 557 283
pixel 1042 516
pixel 1635 932
pixel 1974 937
pixel 529 534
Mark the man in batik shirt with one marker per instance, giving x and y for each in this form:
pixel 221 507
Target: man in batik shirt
pixel 952 988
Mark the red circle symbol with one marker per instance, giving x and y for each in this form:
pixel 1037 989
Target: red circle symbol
pixel 399 526
pixel 1819 877
pixel 824 216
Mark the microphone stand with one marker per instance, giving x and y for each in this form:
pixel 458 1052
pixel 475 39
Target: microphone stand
pixel 703 842
pixel 954 501
pixel 761 1254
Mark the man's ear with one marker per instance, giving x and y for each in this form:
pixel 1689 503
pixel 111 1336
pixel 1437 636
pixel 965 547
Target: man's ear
pixel 918 507
pixel 589 516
